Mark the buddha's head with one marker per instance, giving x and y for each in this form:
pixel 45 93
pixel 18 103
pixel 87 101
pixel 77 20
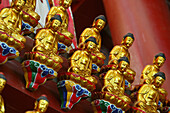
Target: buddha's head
pixel 99 22
pixel 41 104
pixel 91 44
pixel 159 79
pixel 159 59
pixel 2 81
pixel 55 22
pixel 128 40
pixel 18 4
pixel 123 64
pixel 65 3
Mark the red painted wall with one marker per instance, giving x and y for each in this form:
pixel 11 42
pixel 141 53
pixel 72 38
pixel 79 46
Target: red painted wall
pixel 149 21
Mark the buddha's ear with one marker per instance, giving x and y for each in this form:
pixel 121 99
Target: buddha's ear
pixel 35 104
pixel 154 60
pixel 122 41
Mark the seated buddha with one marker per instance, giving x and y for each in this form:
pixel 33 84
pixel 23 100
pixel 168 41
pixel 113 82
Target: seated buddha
pixel 61 10
pixel 148 72
pixel 46 40
pixel 11 20
pixel 41 105
pixel 98 24
pixel 121 50
pixel 149 95
pixel 29 8
pixel 114 80
pixel 2 85
pixel 81 62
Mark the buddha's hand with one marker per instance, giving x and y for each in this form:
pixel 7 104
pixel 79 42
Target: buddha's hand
pixel 142 105
pixel 75 70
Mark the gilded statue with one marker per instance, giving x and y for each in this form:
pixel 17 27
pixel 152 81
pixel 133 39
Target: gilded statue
pixel 65 36
pixel 149 94
pixel 148 72
pixel 81 62
pixel 41 105
pixel 2 85
pixel 114 80
pixel 98 24
pixel 46 40
pixel 11 20
pixel 121 50
pixel 29 15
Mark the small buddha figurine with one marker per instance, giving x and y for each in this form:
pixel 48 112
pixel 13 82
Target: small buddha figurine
pixel 81 62
pixel 114 80
pixel 46 40
pixel 30 9
pixel 148 94
pixel 148 72
pixel 121 50
pixel 65 36
pixel 11 20
pixel 2 85
pixel 41 105
pixel 98 24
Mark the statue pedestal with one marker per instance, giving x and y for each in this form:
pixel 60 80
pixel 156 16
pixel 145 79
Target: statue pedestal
pixel 102 106
pixel 9 47
pixel 36 74
pixel 38 68
pixel 104 102
pixel 72 89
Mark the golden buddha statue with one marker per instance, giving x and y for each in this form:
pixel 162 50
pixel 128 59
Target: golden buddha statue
pixel 2 85
pixel 148 72
pixel 98 24
pixel 81 62
pixel 114 80
pixel 46 40
pixel 121 50
pixel 65 36
pixel 149 95
pixel 11 20
pixel 41 105
pixel 29 8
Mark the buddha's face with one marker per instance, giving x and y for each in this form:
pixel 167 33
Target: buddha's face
pixel 91 46
pixel 18 4
pixel 42 106
pixel 159 81
pixel 123 65
pixel 159 61
pixel 128 41
pixel 66 3
pixel 55 24
pixel 99 24
pixel 2 84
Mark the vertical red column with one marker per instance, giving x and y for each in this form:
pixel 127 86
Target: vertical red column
pixel 149 21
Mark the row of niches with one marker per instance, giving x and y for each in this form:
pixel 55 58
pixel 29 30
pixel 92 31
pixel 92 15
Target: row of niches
pixel 86 61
